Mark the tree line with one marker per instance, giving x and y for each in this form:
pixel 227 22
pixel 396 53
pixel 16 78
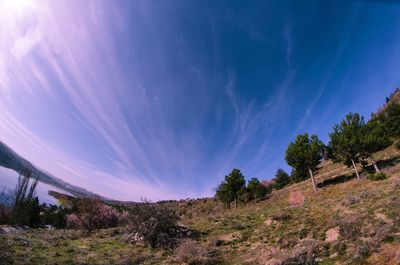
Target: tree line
pixel 352 142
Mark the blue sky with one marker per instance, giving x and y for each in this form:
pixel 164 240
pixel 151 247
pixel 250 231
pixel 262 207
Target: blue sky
pixel 161 99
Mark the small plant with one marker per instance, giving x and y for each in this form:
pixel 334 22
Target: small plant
pixel 155 225
pixel 192 253
pixel 377 176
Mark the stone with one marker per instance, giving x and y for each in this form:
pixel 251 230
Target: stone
pixel 296 199
pixel 383 218
pixel 332 234
pixel 270 222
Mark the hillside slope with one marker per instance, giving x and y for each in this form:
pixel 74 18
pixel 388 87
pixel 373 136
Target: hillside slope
pixel 348 221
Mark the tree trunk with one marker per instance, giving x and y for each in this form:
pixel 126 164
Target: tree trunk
pixel 377 170
pixel 355 169
pixel 235 203
pixel 314 185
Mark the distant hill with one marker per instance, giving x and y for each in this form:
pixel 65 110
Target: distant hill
pixel 10 159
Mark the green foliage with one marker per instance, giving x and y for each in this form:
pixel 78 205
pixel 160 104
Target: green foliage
pixel 256 189
pixel 224 194
pixel 27 213
pixel 25 207
pixel 305 153
pixel 374 138
pixel 233 187
pixel 390 118
pixel 377 176
pixel 298 175
pixel 281 179
pixel 55 215
pixel 345 140
pixel 155 224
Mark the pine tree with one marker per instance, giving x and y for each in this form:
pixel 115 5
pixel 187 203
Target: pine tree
pixel 374 140
pixel 281 179
pixel 346 141
pixel 305 153
pixel 232 187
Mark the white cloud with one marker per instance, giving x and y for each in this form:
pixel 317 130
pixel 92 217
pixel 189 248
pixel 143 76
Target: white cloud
pixel 24 44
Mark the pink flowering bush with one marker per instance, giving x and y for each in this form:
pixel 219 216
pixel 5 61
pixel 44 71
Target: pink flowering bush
pixel 73 221
pixel 124 219
pixel 93 214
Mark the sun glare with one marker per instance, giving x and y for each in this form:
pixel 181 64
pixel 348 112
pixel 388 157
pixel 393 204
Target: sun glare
pixel 15 6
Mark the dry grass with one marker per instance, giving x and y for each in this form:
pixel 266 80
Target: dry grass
pixel 268 232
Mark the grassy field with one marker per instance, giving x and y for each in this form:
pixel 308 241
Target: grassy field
pixel 365 214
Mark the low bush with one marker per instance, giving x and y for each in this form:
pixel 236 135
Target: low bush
pixel 27 212
pixel 377 176
pixel 155 225
pixel 350 227
pixel 55 215
pixel 192 253
pixel 5 214
pixel 92 214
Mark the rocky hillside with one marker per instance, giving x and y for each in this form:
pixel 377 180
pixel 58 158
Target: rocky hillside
pixel 348 221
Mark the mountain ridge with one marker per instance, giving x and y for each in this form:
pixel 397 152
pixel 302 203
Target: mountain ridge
pixel 12 160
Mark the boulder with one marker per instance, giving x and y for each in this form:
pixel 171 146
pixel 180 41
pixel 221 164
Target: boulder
pixel 332 234
pixel 296 199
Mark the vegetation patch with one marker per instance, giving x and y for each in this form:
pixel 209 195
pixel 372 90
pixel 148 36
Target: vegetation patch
pixel 377 176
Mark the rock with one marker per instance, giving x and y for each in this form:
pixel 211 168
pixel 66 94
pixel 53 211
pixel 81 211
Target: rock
pixel 270 222
pixel 296 199
pixel 231 237
pixel 332 234
pixel 49 227
pixel 9 230
pixel 383 218
pixel 351 199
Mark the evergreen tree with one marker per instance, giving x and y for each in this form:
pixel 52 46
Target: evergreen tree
pixel 305 153
pixel 224 194
pixel 374 139
pixel 346 141
pixel 256 189
pixel 281 179
pixel 390 119
pixel 233 186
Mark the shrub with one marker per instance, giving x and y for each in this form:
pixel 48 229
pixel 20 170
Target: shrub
pixel 73 221
pixel 27 213
pixel 350 227
pixel 92 214
pixel 55 215
pixel 25 207
pixel 192 253
pixel 281 179
pixel 377 176
pixel 123 218
pixel 156 225
pixel 5 214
